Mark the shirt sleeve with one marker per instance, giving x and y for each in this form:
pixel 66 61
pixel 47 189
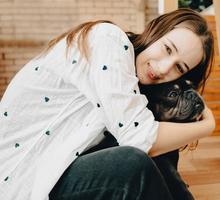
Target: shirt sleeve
pixel 114 81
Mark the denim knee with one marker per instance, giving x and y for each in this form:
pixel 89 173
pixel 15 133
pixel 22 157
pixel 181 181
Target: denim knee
pixel 132 160
pixel 121 172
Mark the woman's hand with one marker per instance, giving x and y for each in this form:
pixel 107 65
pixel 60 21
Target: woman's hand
pixel 175 135
pixel 208 117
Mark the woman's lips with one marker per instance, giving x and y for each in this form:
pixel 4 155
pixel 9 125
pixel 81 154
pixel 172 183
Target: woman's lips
pixel 151 74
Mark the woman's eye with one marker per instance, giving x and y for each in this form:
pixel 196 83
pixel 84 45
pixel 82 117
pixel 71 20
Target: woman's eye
pixel 180 69
pixel 168 49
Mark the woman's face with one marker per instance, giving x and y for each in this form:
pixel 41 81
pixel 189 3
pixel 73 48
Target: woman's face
pixel 170 57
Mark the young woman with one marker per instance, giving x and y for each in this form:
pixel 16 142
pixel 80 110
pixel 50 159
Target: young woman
pixel 86 82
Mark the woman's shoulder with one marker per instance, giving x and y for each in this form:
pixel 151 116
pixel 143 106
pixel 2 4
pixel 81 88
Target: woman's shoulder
pixel 109 30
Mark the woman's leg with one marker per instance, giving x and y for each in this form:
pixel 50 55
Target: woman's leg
pixel 116 173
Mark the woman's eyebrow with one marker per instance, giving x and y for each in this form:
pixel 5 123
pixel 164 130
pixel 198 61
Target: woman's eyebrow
pixel 174 46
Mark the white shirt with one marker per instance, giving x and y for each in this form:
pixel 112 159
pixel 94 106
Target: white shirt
pixel 59 104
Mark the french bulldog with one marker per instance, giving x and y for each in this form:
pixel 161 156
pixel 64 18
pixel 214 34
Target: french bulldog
pixel 175 101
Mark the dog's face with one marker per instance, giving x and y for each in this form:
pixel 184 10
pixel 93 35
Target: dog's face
pixel 174 101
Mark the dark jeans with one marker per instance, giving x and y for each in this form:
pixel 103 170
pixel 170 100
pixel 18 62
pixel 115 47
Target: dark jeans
pixel 116 173
pixel 166 163
pixel 121 173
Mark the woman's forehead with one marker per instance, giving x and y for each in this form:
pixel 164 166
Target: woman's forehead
pixel 187 45
pixel 182 36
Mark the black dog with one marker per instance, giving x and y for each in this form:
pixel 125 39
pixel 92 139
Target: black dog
pixel 174 101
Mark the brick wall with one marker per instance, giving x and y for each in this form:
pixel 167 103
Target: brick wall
pixel 151 10
pixel 41 19
pixel 26 25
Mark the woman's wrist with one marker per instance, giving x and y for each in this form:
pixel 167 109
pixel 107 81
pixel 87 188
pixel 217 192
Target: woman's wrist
pixel 207 126
pixel 208 119
pixel 211 124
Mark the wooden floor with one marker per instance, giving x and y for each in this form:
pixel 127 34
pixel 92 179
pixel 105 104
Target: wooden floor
pixel 201 169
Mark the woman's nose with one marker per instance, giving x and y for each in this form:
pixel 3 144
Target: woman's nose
pixel 166 66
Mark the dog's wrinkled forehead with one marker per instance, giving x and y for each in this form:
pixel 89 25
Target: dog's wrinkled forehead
pixel 180 84
pixel 162 90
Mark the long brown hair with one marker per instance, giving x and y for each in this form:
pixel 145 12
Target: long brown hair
pixel 156 29
pixel 187 18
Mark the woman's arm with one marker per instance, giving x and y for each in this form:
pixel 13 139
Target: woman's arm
pixel 174 135
pixel 113 88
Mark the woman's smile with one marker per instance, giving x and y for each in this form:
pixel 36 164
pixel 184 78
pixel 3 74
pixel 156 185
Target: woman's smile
pixel 150 73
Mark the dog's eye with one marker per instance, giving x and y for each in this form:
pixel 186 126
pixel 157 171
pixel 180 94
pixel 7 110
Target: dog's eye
pixel 173 94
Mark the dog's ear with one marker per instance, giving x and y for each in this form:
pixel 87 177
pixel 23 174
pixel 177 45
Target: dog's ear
pixel 190 84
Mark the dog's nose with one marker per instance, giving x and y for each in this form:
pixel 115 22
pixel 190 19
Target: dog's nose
pixel 190 95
